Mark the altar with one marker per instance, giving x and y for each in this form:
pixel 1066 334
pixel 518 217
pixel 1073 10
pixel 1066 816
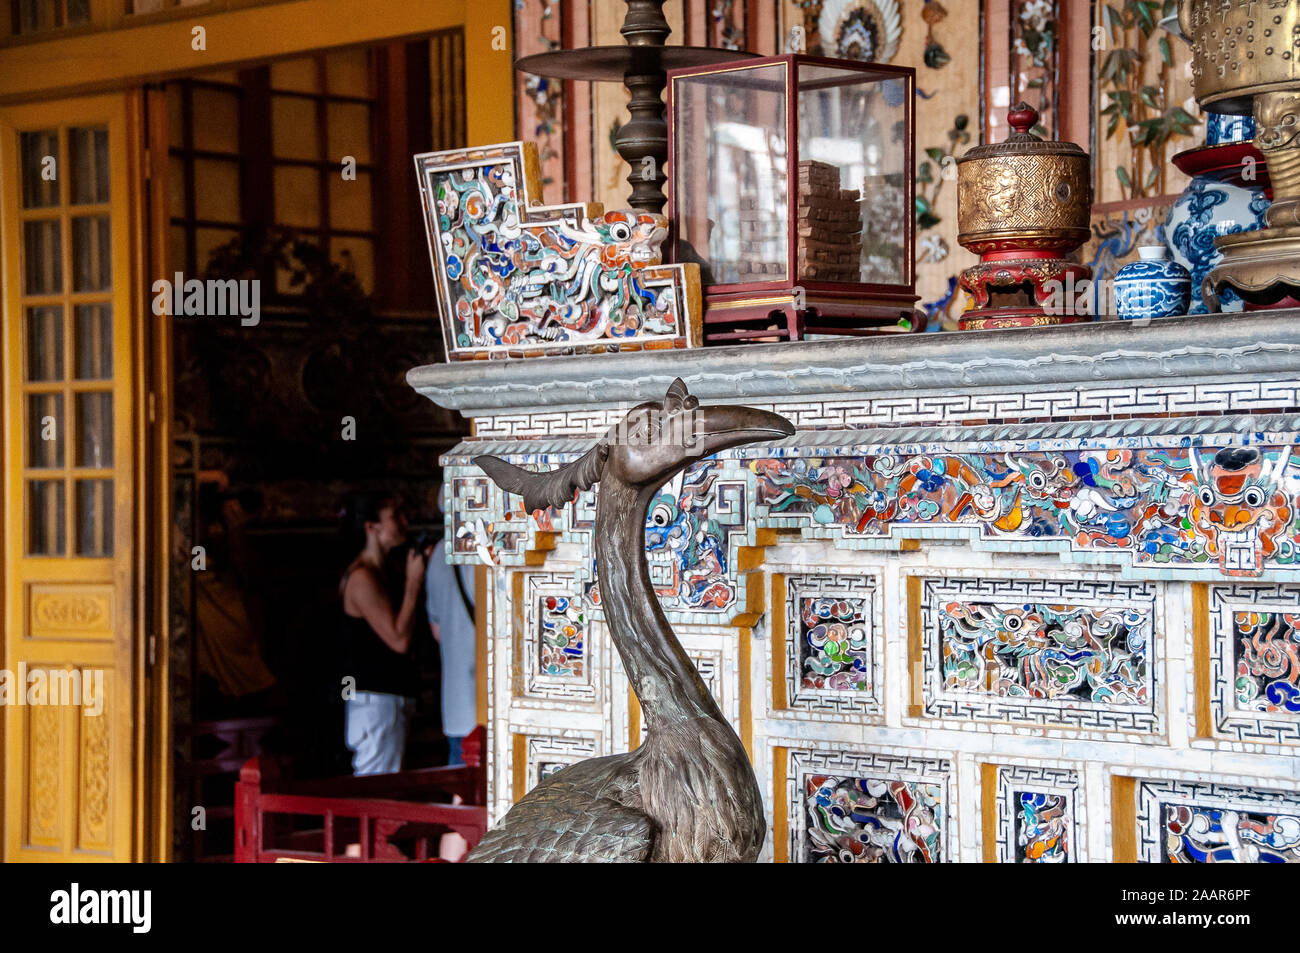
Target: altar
pixel 1053 567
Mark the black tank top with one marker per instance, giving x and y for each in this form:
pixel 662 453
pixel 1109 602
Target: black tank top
pixel 375 666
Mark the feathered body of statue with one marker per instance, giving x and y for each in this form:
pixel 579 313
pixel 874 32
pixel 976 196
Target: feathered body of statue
pixel 688 794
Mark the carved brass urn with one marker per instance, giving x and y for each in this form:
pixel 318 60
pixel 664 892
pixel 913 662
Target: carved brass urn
pixel 1022 206
pixel 1246 58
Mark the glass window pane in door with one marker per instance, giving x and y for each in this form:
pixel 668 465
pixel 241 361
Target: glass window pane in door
pixel 40 168
pixel 94 517
pixel 294 133
pixel 42 257
pixel 45 517
pixel 350 203
pixel 44 431
pixel 301 75
pixel 88 151
pixel 348 73
pixel 348 129
pixel 43 344
pixel 216 190
pixel 297 196
pixel 91 253
pixel 216 119
pixel 94 429
pixel 93 344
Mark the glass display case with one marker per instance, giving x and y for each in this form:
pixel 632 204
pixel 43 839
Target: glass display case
pixel 791 187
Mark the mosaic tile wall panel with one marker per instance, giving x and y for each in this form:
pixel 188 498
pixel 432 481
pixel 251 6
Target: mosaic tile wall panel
pixel 868 808
pixel 1201 822
pixel 690 526
pixel 1038 812
pixel 834 645
pixel 1255 663
pixel 546 754
pixel 556 651
pixel 1146 505
pixel 1064 652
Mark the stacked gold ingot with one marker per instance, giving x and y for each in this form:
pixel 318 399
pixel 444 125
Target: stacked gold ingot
pixel 829 225
pixel 756 230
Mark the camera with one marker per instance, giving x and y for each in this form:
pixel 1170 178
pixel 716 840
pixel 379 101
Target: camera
pixel 426 538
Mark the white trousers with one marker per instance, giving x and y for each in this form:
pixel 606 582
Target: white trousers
pixel 376 731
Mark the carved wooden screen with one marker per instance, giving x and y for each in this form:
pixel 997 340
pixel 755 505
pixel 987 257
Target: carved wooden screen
pixel 67 677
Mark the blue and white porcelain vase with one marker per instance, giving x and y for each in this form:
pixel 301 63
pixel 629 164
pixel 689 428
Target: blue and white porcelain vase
pixel 1153 286
pixel 1206 209
pixel 1221 128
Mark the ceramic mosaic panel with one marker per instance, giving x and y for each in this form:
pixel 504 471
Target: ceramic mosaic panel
pixel 479 529
pixel 517 277
pixel 1168 506
pixel 1152 507
pixel 833 644
pixel 868 808
pixel 547 754
pixel 1038 816
pixel 1255 663
pixel 1066 652
pixel 555 641
pixel 1193 822
pixel 692 528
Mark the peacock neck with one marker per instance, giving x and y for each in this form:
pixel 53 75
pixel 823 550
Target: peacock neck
pixel 662 675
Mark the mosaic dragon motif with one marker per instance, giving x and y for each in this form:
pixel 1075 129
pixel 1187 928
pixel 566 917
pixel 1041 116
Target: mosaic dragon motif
pixel 1089 654
pixel 515 276
pixel 1042 828
pixel 1164 506
pixel 1268 662
pixel 872 821
pixel 1153 509
pixel 1210 835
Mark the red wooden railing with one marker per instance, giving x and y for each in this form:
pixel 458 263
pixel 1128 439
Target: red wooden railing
pixel 375 818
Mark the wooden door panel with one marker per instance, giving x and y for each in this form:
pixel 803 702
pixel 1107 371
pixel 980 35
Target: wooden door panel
pixel 70 448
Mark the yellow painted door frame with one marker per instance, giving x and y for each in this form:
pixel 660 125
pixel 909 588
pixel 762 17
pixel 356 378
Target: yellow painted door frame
pixel 71 330
pixel 125 774
pixel 151 48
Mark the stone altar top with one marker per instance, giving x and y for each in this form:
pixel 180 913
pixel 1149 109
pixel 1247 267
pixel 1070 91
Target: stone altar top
pixel 1161 352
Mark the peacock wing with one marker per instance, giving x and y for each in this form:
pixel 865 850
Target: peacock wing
pixel 571 818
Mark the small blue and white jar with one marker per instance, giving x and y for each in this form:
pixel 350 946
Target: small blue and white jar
pixel 1153 286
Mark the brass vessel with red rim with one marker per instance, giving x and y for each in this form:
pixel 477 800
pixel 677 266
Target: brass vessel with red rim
pixel 1023 206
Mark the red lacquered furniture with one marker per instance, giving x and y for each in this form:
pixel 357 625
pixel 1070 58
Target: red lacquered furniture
pixel 384 818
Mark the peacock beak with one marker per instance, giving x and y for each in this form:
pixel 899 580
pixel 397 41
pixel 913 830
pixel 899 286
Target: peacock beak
pixel 724 426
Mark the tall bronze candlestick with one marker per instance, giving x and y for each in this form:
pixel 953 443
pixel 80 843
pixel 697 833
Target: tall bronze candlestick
pixel 640 67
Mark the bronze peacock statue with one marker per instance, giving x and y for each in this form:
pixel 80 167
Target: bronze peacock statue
pixel 688 794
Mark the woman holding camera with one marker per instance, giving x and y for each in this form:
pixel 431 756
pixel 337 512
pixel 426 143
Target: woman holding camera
pixel 382 681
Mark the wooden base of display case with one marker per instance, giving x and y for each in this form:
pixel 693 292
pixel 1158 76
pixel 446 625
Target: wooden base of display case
pixel 795 314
